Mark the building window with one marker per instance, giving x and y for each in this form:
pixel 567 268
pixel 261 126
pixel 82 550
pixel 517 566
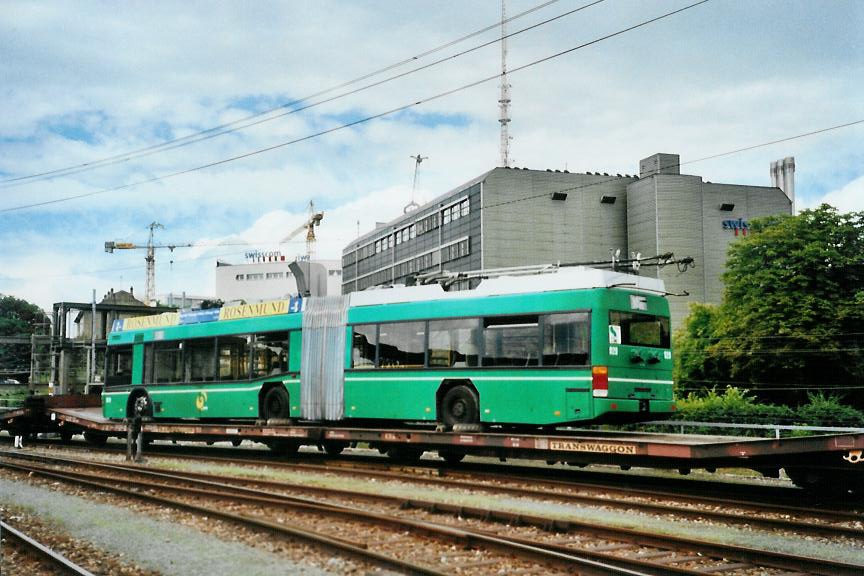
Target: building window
pixel 427 224
pixel 259 276
pixel 464 207
pixel 275 275
pixel 239 277
pixel 455 251
pixel 456 211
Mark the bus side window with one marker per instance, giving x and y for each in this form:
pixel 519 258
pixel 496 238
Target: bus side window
pixel 119 366
pixel 454 343
pixel 168 361
pixel 201 360
pixel 567 339
pixel 400 345
pixel 363 346
pixel 270 354
pixel 511 341
pixel 233 357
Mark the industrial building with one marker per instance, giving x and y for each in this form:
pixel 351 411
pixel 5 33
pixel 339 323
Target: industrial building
pixel 519 217
pixel 267 277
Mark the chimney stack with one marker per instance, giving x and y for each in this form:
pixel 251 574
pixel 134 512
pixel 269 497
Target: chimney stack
pixel 783 177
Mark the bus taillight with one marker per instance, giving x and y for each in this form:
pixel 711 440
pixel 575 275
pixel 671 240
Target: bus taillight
pixel 600 381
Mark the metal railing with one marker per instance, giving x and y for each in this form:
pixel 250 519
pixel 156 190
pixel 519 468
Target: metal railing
pixel 777 428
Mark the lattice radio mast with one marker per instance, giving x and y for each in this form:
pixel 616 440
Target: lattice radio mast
pixel 504 100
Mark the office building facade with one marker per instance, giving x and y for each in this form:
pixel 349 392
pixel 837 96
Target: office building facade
pixel 520 217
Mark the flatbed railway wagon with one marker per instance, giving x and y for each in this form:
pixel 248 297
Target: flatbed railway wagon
pixel 575 345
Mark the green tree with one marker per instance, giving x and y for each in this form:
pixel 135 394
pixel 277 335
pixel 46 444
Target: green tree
pixel 792 314
pixel 18 318
pixel 695 366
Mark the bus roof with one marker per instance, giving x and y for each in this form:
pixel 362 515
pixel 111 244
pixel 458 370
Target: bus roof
pixel 553 280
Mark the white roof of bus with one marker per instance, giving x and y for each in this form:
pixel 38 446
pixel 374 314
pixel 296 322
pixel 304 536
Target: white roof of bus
pixel 576 278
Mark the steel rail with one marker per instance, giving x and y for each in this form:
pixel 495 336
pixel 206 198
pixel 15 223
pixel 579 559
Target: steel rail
pixel 56 559
pixel 742 554
pixel 798 526
pixel 654 508
pixel 568 559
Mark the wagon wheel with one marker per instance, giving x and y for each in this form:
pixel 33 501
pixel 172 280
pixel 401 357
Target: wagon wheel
pixel 334 447
pixel 451 457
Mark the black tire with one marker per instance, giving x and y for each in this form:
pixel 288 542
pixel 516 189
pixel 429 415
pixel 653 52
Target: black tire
pixel 460 406
pixel 276 404
pixel 451 457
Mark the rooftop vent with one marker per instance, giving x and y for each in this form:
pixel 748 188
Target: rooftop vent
pixel 727 207
pixel 608 199
pixel 560 196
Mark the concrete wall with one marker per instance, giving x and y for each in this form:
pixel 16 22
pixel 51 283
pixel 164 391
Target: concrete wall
pixel 523 225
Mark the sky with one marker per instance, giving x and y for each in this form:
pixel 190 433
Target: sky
pixel 91 92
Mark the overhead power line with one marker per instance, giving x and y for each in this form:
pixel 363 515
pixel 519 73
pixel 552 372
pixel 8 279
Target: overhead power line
pixel 492 205
pixel 356 122
pixel 261 117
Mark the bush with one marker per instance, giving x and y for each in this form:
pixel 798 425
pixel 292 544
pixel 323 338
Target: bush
pixel 827 410
pixel 733 406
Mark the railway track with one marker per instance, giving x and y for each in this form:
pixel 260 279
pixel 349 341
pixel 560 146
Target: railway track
pixel 649 484
pixel 621 549
pixel 801 520
pixel 57 563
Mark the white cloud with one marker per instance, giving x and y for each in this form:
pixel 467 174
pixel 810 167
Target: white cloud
pixel 849 198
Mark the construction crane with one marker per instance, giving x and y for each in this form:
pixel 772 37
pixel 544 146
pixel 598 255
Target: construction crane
pixel 309 225
pixel 150 292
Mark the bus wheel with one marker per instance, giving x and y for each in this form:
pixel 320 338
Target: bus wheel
pixel 96 439
pixel 276 405
pixel 451 457
pixel 334 447
pixel 460 406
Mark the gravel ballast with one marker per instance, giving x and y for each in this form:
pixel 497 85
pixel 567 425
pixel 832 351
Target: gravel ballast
pixel 164 547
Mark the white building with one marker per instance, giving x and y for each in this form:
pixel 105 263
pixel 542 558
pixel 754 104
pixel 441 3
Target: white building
pixel 268 278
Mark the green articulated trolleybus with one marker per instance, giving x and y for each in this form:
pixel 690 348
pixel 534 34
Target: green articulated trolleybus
pixel 576 345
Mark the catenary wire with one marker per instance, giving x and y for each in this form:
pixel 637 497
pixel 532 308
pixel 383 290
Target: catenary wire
pixel 169 146
pixel 243 123
pixel 568 189
pixel 353 123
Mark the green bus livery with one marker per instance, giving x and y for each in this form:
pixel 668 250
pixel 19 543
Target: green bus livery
pixel 576 345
